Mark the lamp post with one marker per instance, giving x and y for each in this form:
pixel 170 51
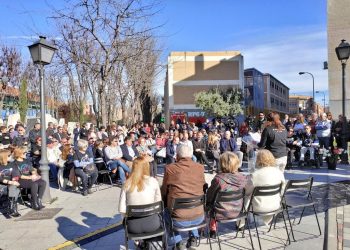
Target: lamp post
pixel 343 53
pixel 313 88
pixel 42 53
pixel 324 100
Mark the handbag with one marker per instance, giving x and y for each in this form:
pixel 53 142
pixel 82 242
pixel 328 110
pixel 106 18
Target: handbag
pixel 90 168
pixel 161 153
pixel 3 190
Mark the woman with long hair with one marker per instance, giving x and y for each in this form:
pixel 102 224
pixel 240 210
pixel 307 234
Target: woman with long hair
pixel 6 176
pixel 140 189
pixel 28 176
pixel 274 139
pixel 65 163
pixel 213 149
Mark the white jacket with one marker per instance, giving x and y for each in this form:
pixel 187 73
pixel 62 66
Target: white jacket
pixel 150 194
pixel 266 176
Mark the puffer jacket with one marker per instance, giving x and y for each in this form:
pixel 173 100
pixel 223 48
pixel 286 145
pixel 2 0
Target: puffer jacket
pixel 226 182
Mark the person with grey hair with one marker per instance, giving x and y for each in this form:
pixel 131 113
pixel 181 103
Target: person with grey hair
pixel 84 167
pixel 184 151
pixel 184 179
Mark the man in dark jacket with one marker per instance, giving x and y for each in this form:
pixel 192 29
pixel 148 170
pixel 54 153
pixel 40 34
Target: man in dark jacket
pixel 20 139
pixel 171 150
pixel 83 133
pixel 59 135
pixel 184 179
pixel 76 133
pixel 34 133
pixel 228 143
pixel 129 151
pixel 50 129
pixel 260 122
pixel 199 149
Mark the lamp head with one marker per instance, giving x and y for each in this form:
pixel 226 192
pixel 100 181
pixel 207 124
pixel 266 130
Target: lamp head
pixel 41 51
pixel 301 73
pixel 343 51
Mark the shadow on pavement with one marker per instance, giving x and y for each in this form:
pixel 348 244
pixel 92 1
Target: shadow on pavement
pixel 72 230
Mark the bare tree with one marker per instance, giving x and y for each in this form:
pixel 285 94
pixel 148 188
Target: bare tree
pixel 10 67
pixel 99 37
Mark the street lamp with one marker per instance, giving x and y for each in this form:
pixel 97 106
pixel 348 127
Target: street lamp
pixel 313 88
pixel 42 53
pixel 343 53
pixel 324 99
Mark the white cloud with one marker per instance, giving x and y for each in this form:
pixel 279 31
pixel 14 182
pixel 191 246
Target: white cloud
pixel 284 54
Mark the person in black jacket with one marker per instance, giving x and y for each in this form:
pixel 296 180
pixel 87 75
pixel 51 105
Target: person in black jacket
pixel 129 151
pixel 274 139
pixel 83 133
pixel 20 139
pixel 34 133
pixel 171 150
pixel 307 139
pixel 199 150
pixel 260 122
pixel 5 138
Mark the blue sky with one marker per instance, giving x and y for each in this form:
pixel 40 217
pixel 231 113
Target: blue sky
pixel 274 36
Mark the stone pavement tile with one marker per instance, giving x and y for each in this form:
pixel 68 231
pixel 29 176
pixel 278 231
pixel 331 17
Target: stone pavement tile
pixel 346 243
pixel 12 234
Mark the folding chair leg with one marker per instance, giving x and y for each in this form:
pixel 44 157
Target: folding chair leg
pixel 285 224
pixel 318 224
pixel 208 233
pixel 110 180
pixel 301 216
pixel 237 230
pixel 126 243
pixel 218 234
pixel 290 224
pixel 250 234
pixel 257 232
pixel 276 217
pixel 272 222
pixel 165 241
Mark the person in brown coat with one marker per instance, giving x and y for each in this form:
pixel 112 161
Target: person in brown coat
pixel 184 179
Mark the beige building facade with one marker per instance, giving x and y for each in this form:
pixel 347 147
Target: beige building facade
pixel 338 28
pixel 303 104
pixel 191 72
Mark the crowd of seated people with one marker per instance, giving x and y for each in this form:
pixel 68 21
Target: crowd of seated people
pixel 72 155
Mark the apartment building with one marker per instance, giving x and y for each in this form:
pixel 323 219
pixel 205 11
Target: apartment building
pixel 191 72
pixel 276 95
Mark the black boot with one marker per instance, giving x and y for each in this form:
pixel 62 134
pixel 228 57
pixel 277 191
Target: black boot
pixel 14 210
pixel 35 205
pixel 40 204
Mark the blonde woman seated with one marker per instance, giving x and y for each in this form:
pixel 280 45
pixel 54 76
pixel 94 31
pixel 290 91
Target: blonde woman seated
pixel 228 180
pixel 140 189
pixel 266 174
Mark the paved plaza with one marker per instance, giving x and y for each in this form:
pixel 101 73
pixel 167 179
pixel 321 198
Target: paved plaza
pixel 72 226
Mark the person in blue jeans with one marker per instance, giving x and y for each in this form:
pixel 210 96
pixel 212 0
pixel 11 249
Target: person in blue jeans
pixel 183 179
pixel 114 160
